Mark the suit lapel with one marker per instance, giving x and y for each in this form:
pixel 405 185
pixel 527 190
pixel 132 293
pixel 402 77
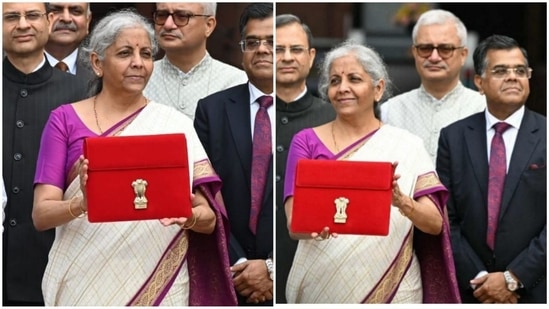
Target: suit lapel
pixel 525 144
pixel 475 140
pixel 238 114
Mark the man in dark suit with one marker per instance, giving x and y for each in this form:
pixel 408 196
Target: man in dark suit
pixel 69 26
pixel 296 109
pixel 31 89
pixel 223 122
pixel 498 218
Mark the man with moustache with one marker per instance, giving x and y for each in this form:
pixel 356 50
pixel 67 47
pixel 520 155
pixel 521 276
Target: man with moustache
pixel 296 109
pixel 187 72
pixel 439 51
pixel 69 26
pixel 228 124
pixel 31 89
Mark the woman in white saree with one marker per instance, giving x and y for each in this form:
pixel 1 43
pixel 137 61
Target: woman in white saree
pixel 172 261
pixel 413 264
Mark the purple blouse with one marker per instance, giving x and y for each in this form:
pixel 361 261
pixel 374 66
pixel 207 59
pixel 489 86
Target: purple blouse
pixel 61 145
pixel 305 145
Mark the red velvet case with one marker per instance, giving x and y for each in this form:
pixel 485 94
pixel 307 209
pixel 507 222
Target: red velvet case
pixel 326 191
pixel 116 166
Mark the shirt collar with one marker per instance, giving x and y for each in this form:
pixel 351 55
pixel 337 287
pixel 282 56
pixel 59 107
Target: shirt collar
pixel 70 60
pixel 40 65
pixel 514 120
pixel 255 93
pixel 301 95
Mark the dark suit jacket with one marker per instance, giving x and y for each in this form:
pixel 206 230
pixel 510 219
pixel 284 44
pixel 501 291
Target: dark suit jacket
pixel 521 236
pixel 222 122
pixel 84 74
pixel 309 111
pixel 26 105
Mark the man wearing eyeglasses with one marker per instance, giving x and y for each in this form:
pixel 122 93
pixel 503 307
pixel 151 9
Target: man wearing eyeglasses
pixel 69 26
pixel 439 51
pixel 31 89
pixel 494 166
pixel 235 127
pixel 187 72
pixel 296 109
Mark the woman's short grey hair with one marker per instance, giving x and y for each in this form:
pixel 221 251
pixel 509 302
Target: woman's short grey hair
pixel 105 33
pixel 440 17
pixel 371 62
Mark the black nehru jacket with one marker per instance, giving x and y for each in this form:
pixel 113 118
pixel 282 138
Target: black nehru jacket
pixel 26 105
pixel 306 112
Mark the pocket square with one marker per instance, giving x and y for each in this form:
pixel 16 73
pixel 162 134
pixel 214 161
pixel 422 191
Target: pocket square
pixel 535 166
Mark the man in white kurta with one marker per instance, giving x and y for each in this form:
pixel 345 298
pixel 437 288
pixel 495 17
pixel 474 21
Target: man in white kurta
pixel 187 72
pixel 439 52
pixel 171 86
pixel 423 115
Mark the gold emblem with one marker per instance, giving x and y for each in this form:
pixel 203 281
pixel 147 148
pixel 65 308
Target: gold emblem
pixel 341 205
pixel 139 187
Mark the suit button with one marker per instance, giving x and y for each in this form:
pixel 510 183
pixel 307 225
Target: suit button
pixel 277 178
pixel 23 93
pixel 13 222
pixel 15 190
pixel 17 156
pixel 279 148
pixel 284 120
pixel 19 123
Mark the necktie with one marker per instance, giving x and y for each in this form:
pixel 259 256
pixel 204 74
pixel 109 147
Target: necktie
pixel 496 180
pixel 62 66
pixel 261 155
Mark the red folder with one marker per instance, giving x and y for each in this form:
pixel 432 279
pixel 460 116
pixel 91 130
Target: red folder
pixel 349 197
pixel 137 177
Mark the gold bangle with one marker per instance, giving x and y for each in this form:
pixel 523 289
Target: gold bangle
pixel 70 211
pixel 185 227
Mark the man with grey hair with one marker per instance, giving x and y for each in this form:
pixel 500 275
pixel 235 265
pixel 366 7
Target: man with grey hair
pixel 69 26
pixel 296 109
pixel 439 50
pixel 187 73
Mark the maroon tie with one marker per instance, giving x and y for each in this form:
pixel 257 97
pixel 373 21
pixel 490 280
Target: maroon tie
pixel 62 66
pixel 261 155
pixel 496 180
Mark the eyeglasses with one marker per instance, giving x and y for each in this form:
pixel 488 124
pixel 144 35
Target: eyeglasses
pixel 503 72
pixel 445 51
pixel 180 18
pixel 12 18
pixel 294 50
pixel 251 45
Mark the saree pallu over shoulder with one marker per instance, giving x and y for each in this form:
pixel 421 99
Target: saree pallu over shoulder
pixel 210 276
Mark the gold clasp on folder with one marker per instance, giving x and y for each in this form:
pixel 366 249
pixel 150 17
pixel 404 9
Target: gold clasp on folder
pixel 139 187
pixel 341 205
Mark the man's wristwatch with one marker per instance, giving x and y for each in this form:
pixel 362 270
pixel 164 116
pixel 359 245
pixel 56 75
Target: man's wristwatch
pixel 269 263
pixel 512 284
